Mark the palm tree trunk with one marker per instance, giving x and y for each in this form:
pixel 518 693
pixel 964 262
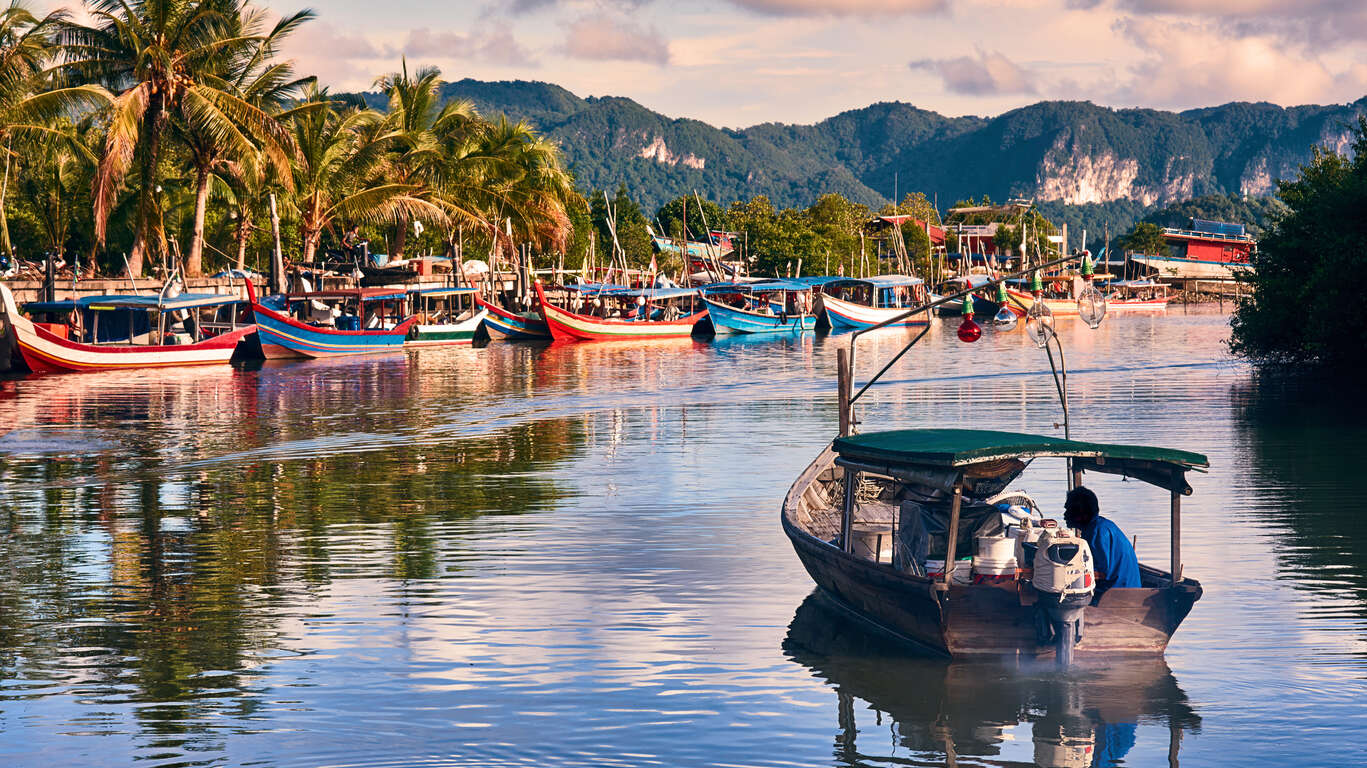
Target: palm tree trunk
pixel 244 230
pixel 194 265
pixel 153 123
pixel 5 245
pixel 400 238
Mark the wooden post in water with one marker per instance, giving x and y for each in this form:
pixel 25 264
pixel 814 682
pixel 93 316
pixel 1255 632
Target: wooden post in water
pixel 952 543
pixel 1175 534
pixel 843 376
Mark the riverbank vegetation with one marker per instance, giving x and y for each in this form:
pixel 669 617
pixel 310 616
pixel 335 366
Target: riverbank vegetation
pixel 1302 308
pixel 158 133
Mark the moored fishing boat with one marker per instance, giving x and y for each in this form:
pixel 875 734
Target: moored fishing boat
pixel 983 304
pixel 1137 296
pixel 852 304
pixel 771 306
pixel 445 316
pixel 644 313
pixel 1209 250
pixel 869 517
pixel 501 323
pixel 359 321
pixel 125 332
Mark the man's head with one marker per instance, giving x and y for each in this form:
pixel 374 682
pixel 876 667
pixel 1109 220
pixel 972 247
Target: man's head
pixel 1081 507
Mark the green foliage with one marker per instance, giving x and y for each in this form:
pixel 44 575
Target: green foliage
pixel 1304 283
pixel 1146 238
pixel 670 216
pixel 632 234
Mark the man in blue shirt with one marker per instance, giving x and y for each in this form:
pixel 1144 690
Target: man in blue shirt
pixel 1116 564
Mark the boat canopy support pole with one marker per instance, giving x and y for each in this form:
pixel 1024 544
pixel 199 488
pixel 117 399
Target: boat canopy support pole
pixel 847 510
pixel 844 379
pixel 1176 536
pixel 952 544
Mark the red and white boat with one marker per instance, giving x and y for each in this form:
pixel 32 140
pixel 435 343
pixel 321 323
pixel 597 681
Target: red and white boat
pixel 125 332
pixel 565 325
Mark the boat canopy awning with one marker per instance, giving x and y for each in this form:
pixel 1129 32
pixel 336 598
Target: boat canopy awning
pixel 656 293
pixel 884 281
pixel 133 301
pixel 364 294
pixel 764 286
pixel 1003 455
pixel 437 293
pixel 818 280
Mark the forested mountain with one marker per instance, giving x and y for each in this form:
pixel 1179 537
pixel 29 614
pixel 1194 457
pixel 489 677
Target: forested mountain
pixel 1065 152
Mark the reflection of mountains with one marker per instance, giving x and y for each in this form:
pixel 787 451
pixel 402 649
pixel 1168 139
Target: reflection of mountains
pixel 1087 717
pixel 1307 475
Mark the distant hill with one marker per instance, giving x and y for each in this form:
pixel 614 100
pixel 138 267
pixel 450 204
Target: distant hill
pixel 1066 153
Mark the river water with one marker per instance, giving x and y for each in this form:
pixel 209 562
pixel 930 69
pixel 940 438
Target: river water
pixel 571 555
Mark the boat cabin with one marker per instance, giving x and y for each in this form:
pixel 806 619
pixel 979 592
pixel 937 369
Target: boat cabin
pixel 442 306
pixel 353 309
pixel 768 297
pixel 914 531
pixel 634 304
pixel 879 291
pixel 142 320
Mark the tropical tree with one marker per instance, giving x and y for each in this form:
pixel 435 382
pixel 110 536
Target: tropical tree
pixel 250 72
pixel 57 170
pixel 1305 268
pixel 30 101
pixel 1146 238
pixel 165 60
pixel 336 175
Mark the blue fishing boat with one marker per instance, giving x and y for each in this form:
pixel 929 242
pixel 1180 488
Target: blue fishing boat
pixel 853 304
pixel 500 323
pixel 331 323
pixel 771 306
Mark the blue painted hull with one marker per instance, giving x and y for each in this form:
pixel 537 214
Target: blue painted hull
pixel 499 323
pixel 283 337
pixel 728 319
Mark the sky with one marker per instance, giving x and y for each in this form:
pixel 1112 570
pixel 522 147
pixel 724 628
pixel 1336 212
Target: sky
pixel 736 63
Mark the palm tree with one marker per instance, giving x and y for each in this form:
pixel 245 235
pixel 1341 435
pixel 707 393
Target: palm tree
pixel 341 155
pixel 164 59
pixel 57 170
pixel 28 101
pixel 415 110
pixel 254 76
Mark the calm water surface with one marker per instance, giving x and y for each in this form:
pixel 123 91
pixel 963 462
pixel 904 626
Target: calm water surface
pixel 571 555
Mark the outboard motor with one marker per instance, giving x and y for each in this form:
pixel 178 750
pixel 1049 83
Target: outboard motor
pixel 1063 578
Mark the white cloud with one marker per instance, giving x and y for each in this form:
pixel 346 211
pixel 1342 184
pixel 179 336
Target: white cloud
pixel 875 8
pixel 984 74
pixel 599 37
pixel 1188 63
pixel 496 45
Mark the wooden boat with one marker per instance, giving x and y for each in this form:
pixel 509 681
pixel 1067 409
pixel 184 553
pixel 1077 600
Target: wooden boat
pixel 660 304
pixel 1121 296
pixel 500 323
pixel 1137 296
pixel 330 323
pixel 445 316
pixel 1209 250
pixel 983 305
pixel 771 306
pixel 123 332
pixel 853 304
pixel 857 518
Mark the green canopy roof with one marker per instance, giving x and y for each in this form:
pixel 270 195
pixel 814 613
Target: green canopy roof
pixel 965 447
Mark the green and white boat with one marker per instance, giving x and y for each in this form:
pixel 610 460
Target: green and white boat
pixel 446 316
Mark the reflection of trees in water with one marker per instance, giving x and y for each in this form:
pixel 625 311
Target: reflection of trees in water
pixel 169 591
pixel 1307 461
pixel 943 712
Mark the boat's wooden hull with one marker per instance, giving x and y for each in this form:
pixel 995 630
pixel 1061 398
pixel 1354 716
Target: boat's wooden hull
pixel 728 319
pixel 448 334
pixel 978 619
pixel 499 323
pixel 282 338
pixel 847 316
pixel 569 326
pixel 1068 307
pixel 1193 269
pixel 44 352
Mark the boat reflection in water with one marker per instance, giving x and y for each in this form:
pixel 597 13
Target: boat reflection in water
pixel 922 709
